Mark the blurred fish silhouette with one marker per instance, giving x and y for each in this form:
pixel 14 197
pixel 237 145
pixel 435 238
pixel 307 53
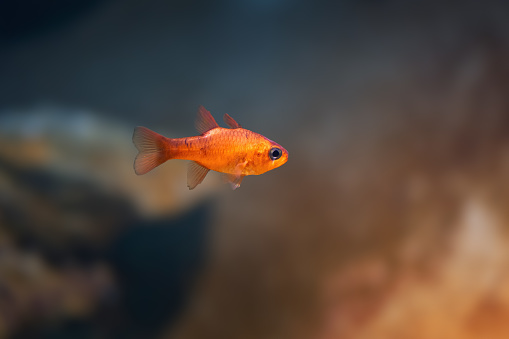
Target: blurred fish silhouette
pixel 234 151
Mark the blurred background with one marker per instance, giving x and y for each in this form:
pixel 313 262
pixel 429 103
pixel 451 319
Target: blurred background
pixel 390 219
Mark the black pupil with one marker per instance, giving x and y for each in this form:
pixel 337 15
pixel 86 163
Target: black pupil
pixel 275 153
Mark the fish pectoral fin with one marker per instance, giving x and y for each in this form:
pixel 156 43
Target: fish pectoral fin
pixel 195 174
pixel 233 179
pixel 204 121
pixel 231 122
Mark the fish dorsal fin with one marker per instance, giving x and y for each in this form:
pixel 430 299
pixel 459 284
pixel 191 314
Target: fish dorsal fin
pixel 195 174
pixel 204 121
pixel 231 122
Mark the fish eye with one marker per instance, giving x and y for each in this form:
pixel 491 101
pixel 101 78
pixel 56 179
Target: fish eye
pixel 275 153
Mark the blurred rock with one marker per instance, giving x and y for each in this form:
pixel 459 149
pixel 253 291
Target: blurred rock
pixel 68 194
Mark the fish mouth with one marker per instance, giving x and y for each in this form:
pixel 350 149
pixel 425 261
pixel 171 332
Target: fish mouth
pixel 285 152
pixel 285 155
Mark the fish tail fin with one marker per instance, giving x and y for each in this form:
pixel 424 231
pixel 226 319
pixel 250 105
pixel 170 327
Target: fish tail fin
pixel 152 147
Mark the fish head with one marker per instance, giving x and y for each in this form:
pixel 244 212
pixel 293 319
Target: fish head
pixel 270 155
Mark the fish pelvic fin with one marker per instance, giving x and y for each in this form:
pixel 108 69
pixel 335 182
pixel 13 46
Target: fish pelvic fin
pixel 233 180
pixel 152 149
pixel 204 121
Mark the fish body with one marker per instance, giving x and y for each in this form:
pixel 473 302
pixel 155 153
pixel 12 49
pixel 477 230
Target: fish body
pixel 235 151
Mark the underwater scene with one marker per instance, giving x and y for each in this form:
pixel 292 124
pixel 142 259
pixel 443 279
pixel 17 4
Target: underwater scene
pixel 371 202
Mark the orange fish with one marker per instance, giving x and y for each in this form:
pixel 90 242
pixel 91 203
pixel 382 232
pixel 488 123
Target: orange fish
pixel 234 151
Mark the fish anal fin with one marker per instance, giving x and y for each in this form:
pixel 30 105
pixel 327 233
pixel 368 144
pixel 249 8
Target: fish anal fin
pixel 152 149
pixel 204 121
pixel 231 122
pixel 195 174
